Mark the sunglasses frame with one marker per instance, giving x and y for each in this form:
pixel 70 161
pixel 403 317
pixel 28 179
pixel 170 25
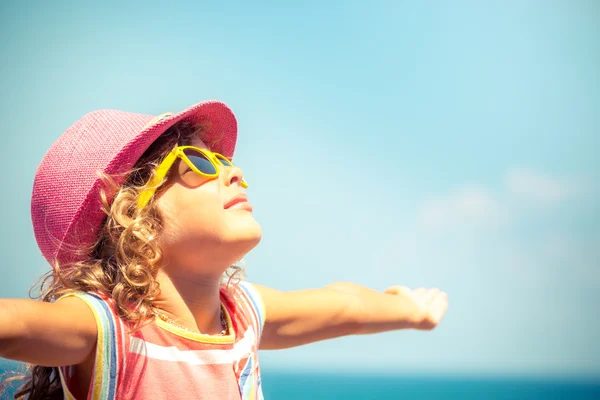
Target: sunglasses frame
pixel 165 166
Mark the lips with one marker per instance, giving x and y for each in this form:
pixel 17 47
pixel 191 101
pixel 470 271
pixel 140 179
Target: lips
pixel 239 202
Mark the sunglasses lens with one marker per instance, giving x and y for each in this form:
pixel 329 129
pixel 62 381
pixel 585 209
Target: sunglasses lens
pixel 223 160
pixel 200 161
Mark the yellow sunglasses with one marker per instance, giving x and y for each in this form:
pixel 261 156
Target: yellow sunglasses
pixel 203 162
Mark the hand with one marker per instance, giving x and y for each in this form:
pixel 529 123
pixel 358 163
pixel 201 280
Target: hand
pixel 430 305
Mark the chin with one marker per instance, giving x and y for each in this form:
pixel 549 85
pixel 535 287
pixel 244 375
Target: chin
pixel 250 238
pixel 242 236
pixel 246 229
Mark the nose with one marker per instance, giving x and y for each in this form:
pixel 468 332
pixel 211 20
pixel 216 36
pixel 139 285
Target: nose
pixel 233 175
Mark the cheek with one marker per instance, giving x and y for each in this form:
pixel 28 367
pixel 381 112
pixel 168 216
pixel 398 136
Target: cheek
pixel 192 214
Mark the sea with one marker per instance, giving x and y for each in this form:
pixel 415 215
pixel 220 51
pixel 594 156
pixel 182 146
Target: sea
pixel 279 385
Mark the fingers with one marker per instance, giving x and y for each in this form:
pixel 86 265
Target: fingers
pixel 422 294
pixel 432 302
pixel 398 290
pixel 438 306
pixel 426 296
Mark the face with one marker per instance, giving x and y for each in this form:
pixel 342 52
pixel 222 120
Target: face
pixel 207 223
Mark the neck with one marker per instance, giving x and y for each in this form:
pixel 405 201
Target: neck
pixel 192 302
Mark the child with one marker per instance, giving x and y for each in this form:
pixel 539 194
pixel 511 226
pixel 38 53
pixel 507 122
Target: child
pixel 144 221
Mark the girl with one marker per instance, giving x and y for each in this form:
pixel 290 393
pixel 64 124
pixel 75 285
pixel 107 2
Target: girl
pixel 144 221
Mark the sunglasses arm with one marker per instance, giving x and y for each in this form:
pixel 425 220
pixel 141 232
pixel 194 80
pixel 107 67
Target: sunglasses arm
pixel 157 178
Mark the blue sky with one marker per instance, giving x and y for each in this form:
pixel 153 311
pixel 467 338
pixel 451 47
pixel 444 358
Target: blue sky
pixel 447 144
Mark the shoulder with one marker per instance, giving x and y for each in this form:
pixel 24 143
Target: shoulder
pixel 99 304
pixel 247 300
pixel 111 342
pixel 108 323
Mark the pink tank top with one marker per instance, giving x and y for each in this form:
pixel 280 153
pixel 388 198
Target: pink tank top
pixel 162 361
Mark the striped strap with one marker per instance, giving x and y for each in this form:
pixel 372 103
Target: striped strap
pixel 249 373
pixel 258 306
pixel 103 384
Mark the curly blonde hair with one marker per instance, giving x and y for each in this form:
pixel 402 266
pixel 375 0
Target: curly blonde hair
pixel 123 262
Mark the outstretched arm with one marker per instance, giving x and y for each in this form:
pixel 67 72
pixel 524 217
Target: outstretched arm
pixel 49 334
pixel 339 309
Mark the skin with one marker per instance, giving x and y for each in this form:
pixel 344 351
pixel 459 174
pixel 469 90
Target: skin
pixel 200 241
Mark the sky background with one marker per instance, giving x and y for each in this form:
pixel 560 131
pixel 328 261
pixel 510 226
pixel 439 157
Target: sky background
pixel 428 144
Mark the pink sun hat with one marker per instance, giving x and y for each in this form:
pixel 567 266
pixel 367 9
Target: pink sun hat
pixel 65 203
